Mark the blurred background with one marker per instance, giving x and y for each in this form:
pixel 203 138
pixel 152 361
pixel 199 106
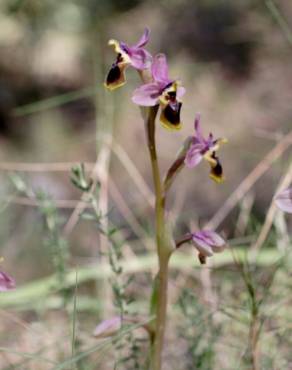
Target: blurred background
pixel 234 58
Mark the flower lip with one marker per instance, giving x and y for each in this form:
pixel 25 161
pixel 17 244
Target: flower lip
pixel 170 115
pixel 116 76
pixel 216 172
pixel 113 75
pixel 170 107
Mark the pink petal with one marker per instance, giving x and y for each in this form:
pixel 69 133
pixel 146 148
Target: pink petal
pixel 215 240
pixel 146 95
pixel 160 69
pixel 144 38
pixel 140 58
pixel 108 327
pixel 209 240
pixel 180 91
pixel 202 246
pixel 6 282
pixel 193 156
pixel 284 200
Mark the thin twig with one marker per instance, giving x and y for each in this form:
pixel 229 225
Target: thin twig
pixel 42 167
pixel 74 217
pixel 64 203
pixel 133 172
pixel 244 215
pixel 282 23
pixel 249 181
pixel 284 182
pixel 54 102
pixel 128 214
pixel 116 148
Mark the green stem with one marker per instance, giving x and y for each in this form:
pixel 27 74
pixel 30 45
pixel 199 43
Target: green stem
pixel 163 247
pixel 254 332
pixel 150 132
pixel 161 311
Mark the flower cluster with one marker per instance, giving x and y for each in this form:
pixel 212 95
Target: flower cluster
pixel 159 89
pixel 167 93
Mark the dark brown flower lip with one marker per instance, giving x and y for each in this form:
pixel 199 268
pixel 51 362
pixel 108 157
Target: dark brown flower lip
pixel 113 75
pixel 172 113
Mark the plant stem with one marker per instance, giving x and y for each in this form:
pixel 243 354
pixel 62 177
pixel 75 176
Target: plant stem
pixel 253 342
pixel 161 311
pixel 254 327
pixel 252 354
pixel 150 132
pixel 163 247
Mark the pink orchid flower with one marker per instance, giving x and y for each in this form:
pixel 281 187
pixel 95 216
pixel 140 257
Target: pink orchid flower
pixel 202 148
pixel 163 91
pixel 207 243
pixel 135 56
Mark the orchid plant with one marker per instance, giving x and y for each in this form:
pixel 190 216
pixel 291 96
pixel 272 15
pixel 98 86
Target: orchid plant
pixel 159 91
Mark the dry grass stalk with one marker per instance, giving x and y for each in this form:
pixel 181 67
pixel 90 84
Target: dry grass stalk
pixel 284 183
pixel 249 181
